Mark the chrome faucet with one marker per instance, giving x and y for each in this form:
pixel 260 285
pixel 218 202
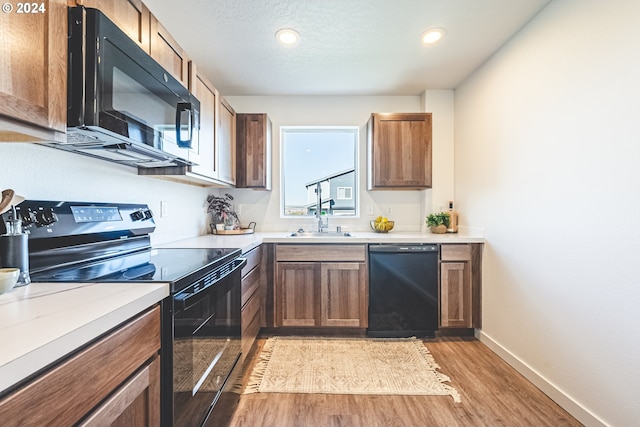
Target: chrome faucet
pixel 322 224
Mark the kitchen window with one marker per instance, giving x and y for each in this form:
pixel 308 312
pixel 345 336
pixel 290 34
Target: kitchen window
pixel 319 158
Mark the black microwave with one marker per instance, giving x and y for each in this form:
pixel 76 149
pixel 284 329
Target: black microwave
pixel 122 105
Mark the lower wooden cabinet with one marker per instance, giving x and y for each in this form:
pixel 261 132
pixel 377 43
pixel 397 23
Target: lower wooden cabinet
pixel 113 382
pixel 460 285
pixel 321 286
pixel 251 299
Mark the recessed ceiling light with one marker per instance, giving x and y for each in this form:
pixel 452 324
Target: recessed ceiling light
pixel 433 35
pixel 287 36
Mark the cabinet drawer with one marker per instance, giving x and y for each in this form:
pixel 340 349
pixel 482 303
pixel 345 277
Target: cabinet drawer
pixel 250 322
pixel 92 373
pixel 455 252
pixel 321 253
pixel 253 260
pixel 250 284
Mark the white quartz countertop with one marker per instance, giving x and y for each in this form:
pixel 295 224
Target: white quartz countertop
pixel 43 322
pixel 246 242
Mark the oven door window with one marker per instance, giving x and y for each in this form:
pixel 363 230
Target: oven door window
pixel 206 347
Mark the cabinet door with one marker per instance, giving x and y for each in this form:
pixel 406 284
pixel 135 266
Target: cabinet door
pixel 343 298
pixel 296 298
pixel 207 94
pixel 131 16
pixel 136 403
pixel 399 151
pixel 164 49
pixel 33 72
pixel 226 142
pixel 455 295
pixel 253 134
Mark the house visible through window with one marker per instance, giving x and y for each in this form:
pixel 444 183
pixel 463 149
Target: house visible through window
pixel 319 159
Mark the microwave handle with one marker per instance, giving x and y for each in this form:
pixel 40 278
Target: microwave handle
pixel 182 109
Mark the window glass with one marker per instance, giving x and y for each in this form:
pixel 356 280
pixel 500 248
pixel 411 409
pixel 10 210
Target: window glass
pixel 319 158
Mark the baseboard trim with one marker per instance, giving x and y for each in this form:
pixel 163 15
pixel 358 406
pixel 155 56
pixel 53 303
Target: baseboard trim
pixel 578 411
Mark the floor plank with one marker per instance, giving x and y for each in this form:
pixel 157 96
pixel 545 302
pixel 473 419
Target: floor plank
pixel 493 395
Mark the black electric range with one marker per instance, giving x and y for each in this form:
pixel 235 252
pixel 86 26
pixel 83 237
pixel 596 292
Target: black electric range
pixel 201 325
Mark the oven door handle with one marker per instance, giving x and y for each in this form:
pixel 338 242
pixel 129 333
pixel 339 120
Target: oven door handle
pixel 184 300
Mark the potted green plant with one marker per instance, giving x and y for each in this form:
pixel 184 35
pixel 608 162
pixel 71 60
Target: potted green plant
pixel 438 222
pixel 222 213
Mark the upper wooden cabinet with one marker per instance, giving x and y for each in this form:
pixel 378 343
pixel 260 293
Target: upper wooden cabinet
pixel 399 151
pixel 226 142
pixel 207 94
pixel 33 74
pixel 164 49
pixel 253 145
pixel 131 16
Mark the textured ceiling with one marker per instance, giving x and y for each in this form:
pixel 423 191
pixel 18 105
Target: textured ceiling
pixel 347 47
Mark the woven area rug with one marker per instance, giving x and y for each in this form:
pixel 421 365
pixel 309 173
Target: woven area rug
pixel 382 366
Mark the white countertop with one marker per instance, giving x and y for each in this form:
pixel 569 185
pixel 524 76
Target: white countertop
pixel 42 322
pixel 246 242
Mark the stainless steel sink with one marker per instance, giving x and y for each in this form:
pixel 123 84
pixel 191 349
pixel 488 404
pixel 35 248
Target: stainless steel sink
pixel 319 234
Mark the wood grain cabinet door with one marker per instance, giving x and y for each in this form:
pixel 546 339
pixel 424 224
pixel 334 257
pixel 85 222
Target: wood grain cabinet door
pixel 207 94
pixel 343 299
pixel 226 142
pixel 167 52
pixel 296 298
pixel 399 151
pixel 33 70
pixel 131 16
pixel 455 295
pixel 253 150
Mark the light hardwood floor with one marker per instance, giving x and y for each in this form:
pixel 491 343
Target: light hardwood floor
pixel 493 394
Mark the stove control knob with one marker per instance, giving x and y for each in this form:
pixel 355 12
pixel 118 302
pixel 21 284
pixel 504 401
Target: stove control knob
pixel 147 214
pixel 46 217
pixel 137 215
pixel 27 217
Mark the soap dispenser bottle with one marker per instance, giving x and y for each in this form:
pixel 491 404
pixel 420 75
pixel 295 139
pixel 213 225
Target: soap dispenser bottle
pixel 14 248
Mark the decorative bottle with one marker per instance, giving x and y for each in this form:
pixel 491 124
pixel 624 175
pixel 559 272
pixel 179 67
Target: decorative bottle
pixel 453 219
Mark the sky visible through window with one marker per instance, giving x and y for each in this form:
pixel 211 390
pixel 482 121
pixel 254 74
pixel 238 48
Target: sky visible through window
pixel 312 153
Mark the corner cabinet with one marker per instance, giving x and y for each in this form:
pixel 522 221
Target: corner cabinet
pixel 253 151
pixel 399 151
pixel 321 286
pixel 460 285
pixel 33 73
pixel 114 381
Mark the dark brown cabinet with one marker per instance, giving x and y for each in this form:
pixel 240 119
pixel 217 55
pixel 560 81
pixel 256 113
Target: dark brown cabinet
pixel 253 151
pixel 321 286
pixel 399 151
pixel 460 279
pixel 33 74
pixel 251 299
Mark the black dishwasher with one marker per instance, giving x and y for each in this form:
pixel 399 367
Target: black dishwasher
pixel 403 290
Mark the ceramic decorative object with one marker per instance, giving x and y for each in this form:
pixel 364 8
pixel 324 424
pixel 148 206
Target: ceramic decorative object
pixel 8 279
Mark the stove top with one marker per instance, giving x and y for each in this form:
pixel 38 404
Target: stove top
pixel 151 265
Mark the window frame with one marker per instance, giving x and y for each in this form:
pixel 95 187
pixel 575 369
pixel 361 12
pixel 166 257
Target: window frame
pixel 356 169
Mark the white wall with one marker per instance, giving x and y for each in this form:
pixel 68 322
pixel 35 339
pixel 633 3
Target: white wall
pixel 43 173
pixel 408 207
pixel 546 160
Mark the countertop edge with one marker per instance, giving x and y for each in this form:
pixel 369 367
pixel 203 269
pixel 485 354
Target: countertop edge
pixel 35 352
